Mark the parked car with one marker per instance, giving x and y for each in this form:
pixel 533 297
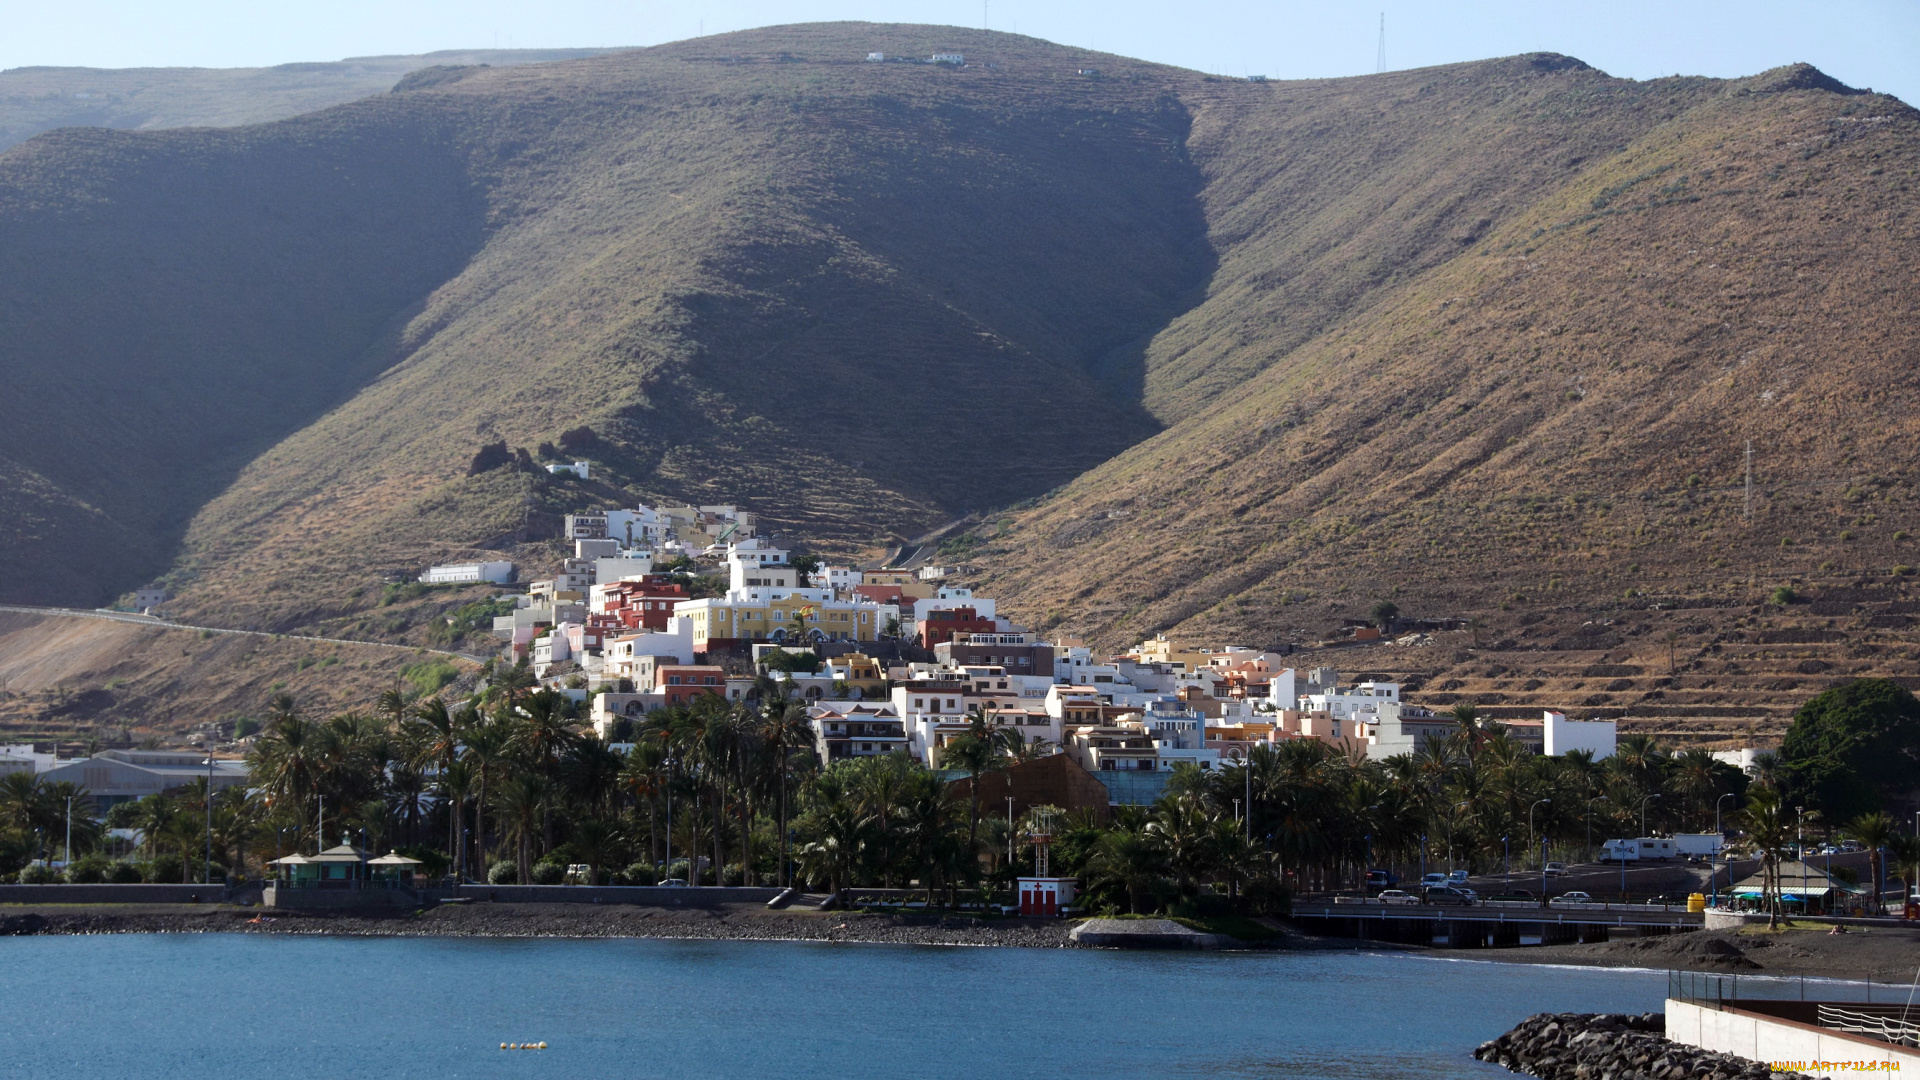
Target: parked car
pixel 1456 877
pixel 1435 878
pixel 1380 879
pixel 1573 897
pixel 1446 896
pixel 1852 846
pixel 1397 896
pixel 1555 869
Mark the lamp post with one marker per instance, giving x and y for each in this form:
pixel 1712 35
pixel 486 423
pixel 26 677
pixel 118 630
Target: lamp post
pixel 320 833
pixel 1450 817
pixel 1720 834
pixel 1643 812
pixel 209 764
pixel 667 869
pixel 69 833
pixel 1531 834
pixel 1590 803
pixel 1010 834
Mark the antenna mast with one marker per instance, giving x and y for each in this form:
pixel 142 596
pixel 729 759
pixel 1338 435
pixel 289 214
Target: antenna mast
pixel 1380 57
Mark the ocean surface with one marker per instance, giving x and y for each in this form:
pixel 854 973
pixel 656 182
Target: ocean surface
pixel 227 1005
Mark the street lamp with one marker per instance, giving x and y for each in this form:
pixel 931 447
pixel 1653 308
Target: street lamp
pixel 1643 813
pixel 69 834
pixel 1543 848
pixel 209 764
pixel 1450 817
pixel 1713 862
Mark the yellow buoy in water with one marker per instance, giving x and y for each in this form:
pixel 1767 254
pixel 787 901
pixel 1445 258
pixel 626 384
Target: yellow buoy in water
pixel 503 1046
pixel 543 1044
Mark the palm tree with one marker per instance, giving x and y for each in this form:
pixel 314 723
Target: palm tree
pixel 1771 831
pixel 438 746
pixel 783 726
pixel 1127 859
pixel 522 802
pixel 489 744
pixel 1904 850
pixel 1873 831
pixel 1466 719
pixel 975 756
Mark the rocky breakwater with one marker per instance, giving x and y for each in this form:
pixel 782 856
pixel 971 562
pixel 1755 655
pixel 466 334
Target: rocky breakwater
pixel 1612 1046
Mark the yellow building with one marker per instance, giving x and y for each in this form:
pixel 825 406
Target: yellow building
pixel 793 620
pixel 1160 650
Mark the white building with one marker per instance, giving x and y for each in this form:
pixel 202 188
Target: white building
pixel 500 573
pixel 1743 759
pixel 1560 735
pixel 117 776
pixel 578 468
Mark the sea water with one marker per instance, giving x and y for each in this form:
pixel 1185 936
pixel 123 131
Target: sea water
pixel 266 1006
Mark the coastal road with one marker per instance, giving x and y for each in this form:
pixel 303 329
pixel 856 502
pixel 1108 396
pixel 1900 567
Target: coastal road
pixel 164 624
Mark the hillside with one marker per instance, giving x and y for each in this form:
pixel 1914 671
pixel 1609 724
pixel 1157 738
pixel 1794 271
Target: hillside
pixel 1555 416
pixel 37 99
pixel 1230 359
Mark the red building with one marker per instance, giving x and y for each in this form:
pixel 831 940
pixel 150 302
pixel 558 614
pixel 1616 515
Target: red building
pixel 644 604
pixel 682 683
pixel 940 626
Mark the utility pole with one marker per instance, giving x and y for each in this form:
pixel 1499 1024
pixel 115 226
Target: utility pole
pixel 1380 56
pixel 1747 511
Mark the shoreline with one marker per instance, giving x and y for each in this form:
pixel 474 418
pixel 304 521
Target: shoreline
pixel 1882 955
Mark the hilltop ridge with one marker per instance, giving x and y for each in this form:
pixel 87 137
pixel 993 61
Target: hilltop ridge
pixel 1227 358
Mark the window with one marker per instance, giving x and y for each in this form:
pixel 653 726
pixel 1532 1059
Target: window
pixel 673 680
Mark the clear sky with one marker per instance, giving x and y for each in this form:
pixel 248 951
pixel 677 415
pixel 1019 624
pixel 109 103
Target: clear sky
pixel 1860 42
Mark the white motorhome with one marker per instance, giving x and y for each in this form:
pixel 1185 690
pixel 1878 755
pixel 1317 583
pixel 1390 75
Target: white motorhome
pixel 1637 850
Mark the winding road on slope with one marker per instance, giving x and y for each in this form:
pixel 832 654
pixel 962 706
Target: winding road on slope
pixel 155 621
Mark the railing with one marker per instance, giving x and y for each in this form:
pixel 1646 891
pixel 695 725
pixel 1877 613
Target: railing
pixel 1888 1023
pixel 1532 905
pixel 1710 988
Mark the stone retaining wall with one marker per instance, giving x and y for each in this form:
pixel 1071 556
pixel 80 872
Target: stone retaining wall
pixel 1612 1046
pixel 651 895
pixel 114 894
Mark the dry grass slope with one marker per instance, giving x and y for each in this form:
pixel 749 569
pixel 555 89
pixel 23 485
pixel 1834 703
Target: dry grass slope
pixel 1246 358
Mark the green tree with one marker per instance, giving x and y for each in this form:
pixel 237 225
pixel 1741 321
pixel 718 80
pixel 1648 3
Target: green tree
pixel 1852 748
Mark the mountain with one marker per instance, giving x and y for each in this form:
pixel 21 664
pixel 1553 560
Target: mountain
pixel 37 99
pixel 1223 357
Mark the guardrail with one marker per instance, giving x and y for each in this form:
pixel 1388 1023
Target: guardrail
pixel 1527 905
pixel 1882 1023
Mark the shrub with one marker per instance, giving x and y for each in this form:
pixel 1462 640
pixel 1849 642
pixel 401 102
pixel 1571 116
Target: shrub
pixel 503 873
pixel 1784 596
pixel 679 869
pixel 124 873
pixel 245 726
pixel 428 676
pixel 164 870
pixel 1267 896
pixel 637 874
pixel 90 870
pixel 36 873
pixel 546 873
pixel 1900 535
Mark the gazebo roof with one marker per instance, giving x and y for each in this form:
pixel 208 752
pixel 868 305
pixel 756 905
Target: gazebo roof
pixel 393 858
pixel 1798 877
pixel 292 860
pixel 341 854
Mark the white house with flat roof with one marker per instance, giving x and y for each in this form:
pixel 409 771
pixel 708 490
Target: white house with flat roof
pixel 1560 735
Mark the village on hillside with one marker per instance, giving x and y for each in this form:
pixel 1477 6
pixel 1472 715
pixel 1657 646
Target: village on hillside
pixel 659 606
